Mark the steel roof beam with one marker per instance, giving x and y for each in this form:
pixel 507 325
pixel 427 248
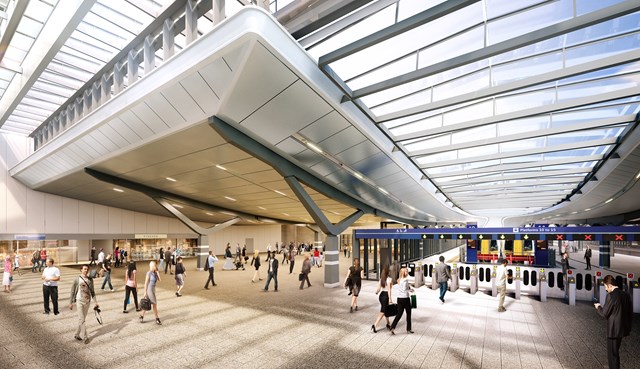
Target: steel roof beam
pixel 558 29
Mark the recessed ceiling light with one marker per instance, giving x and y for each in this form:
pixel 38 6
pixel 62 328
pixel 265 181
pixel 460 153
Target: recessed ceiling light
pixel 638 176
pixel 587 209
pixel 260 207
pixel 230 198
pixel 314 147
pixel 220 167
pixel 280 193
pixel 178 206
pixel 286 214
pixel 574 212
pixel 608 201
pixel 170 179
pixel 118 190
pixel 228 213
pixel 209 213
pixel 358 175
pixel 383 190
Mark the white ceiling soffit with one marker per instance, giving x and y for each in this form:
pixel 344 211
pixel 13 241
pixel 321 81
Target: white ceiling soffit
pixel 247 70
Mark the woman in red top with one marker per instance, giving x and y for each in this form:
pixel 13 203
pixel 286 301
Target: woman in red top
pixel 316 257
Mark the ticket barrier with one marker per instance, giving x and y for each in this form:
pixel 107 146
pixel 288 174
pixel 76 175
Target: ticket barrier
pixel 602 292
pixel 434 278
pixel 473 282
pixel 454 278
pixel 494 284
pixel 543 285
pixel 571 289
pixel 635 297
pixel 517 282
pixel 418 280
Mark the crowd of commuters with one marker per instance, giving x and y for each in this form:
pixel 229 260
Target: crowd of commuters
pixel 617 308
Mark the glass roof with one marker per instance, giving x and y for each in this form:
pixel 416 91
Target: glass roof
pixel 502 113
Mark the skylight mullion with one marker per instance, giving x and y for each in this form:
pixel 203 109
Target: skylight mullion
pixel 512 177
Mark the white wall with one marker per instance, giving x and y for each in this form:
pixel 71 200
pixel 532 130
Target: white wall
pixel 24 211
pixel 261 234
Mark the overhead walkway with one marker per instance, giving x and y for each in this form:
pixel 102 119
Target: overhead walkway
pixel 236 325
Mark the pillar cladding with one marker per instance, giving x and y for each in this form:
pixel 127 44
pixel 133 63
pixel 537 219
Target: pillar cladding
pixel 605 256
pixel 202 252
pixel 331 264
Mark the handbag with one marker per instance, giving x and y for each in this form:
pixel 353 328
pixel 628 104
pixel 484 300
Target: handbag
pixel 414 302
pixel 391 310
pixel 145 304
pixel 301 277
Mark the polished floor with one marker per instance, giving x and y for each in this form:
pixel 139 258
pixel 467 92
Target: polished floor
pixel 236 325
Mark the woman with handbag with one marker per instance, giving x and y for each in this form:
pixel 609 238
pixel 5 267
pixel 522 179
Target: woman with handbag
pixel 404 300
pixel 304 273
pixel 150 281
pixel 131 286
pixel 353 281
pixel 385 286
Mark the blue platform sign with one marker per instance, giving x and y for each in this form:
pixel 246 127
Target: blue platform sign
pixel 29 237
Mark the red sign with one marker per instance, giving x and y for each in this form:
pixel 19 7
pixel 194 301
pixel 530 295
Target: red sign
pixel 569 272
pixel 598 274
pixel 619 237
pixel 587 237
pixel 559 237
pixel 630 276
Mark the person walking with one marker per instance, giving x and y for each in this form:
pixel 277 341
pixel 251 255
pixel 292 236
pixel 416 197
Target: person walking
pixel 353 281
pixel 285 254
pixel 100 261
pixel 316 257
pixel 306 269
pixel 587 258
pixel 43 258
pixel 150 281
pixel 502 274
pixel 106 268
pixel 93 256
pixel 7 276
pixel 244 254
pixel 181 273
pixel 82 292
pixel 35 259
pixel 167 261
pixel 161 258
pixel 442 271
pixel 385 287
pixel 211 261
pixel 131 286
pixel 255 261
pixel 272 273
pixel 292 258
pixel 50 277
pixel 403 300
pixel 618 311
pixel 16 264
pixel 565 267
pixel 116 257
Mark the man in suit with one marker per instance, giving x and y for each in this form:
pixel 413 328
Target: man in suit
pixel 587 257
pixel 272 272
pixel 442 271
pixel 618 312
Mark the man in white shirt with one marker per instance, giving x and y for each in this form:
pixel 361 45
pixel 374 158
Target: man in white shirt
pixel 211 260
pixel 502 274
pixel 50 277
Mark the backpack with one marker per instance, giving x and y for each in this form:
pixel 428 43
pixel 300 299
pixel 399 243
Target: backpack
pixel 206 264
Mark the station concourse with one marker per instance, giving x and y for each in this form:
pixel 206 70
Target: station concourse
pixel 385 131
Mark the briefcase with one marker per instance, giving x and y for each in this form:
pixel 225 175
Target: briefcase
pixel 391 310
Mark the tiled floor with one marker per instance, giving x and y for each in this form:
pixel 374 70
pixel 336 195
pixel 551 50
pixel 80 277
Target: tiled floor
pixel 235 325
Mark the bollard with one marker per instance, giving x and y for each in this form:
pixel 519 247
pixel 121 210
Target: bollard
pixel 494 285
pixel 544 285
pixel 454 278
pixel 473 282
pixel 518 281
pixel 571 289
pixel 434 278
pixel 419 276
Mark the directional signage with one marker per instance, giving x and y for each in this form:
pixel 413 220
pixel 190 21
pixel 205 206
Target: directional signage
pixel 534 236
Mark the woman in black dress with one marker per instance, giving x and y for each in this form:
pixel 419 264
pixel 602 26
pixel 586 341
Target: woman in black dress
pixel 385 286
pixel 353 281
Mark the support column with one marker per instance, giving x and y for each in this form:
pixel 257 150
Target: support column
pixel 331 263
pixel 604 260
pixel 202 251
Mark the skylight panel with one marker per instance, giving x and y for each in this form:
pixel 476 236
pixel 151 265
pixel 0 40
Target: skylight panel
pixel 508 104
pixel 29 27
pixel 39 10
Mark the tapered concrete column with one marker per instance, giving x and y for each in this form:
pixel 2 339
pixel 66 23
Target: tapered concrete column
pixel 202 251
pixel 331 264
